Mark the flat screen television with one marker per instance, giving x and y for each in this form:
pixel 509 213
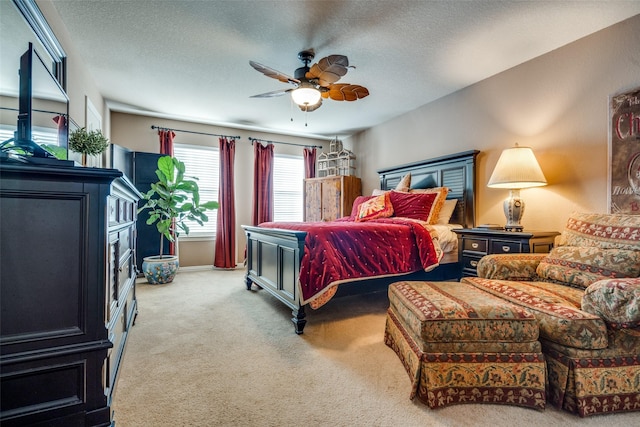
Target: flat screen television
pixel 43 103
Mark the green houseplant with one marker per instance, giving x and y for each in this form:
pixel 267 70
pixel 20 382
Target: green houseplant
pixel 87 142
pixel 172 200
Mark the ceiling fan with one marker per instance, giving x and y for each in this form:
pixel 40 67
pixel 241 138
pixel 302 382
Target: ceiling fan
pixel 311 84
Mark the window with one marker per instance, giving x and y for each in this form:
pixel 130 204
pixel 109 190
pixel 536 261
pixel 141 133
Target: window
pixel 202 163
pixel 288 187
pixel 46 137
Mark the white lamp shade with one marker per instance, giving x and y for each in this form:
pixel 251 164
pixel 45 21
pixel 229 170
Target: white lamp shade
pixel 306 95
pixel 517 168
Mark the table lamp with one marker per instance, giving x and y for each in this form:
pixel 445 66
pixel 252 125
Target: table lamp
pixel 517 168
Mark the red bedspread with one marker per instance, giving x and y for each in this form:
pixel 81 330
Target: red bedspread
pixel 341 251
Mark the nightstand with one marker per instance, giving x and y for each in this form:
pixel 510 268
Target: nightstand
pixel 474 243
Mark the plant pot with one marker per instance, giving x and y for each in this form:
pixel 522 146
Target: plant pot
pixel 159 270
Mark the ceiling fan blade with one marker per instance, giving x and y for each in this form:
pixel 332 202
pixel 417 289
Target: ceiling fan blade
pixel 274 74
pixel 346 92
pixel 310 108
pixel 272 94
pixel 329 69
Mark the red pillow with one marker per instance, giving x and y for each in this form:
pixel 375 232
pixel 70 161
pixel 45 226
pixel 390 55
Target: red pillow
pixel 413 205
pixel 356 204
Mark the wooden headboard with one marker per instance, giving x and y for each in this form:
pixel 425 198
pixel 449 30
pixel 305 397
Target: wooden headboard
pixel 455 171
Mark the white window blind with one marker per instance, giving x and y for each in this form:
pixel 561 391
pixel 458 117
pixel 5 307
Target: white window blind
pixel 288 187
pixel 204 164
pixel 39 135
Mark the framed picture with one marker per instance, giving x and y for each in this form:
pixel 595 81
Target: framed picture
pixel 624 152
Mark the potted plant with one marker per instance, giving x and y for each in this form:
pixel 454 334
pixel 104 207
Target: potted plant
pixel 87 142
pixel 170 201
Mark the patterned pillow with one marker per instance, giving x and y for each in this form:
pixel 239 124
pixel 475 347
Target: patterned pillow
pixel 593 247
pixel 607 231
pixel 414 205
pixel 582 266
pixel 404 183
pixel 356 204
pixel 441 198
pixel 376 207
pixel 616 301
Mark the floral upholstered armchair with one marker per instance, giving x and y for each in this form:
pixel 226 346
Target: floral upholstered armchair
pixel 585 295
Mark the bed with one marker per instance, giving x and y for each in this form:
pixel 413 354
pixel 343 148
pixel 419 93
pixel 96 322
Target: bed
pixel 277 253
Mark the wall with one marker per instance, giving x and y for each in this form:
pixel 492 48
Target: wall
pixel 134 132
pixel 80 84
pixel 557 104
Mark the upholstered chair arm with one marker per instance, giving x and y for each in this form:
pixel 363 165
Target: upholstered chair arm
pixel 509 266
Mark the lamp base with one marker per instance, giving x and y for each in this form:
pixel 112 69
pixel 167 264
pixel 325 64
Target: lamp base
pixel 513 211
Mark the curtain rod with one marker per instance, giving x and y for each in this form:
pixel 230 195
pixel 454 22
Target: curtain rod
pixel 286 143
pixel 192 131
pixel 36 110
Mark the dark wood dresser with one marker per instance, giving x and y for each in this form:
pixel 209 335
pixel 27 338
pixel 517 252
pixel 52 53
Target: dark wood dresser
pixel 67 292
pixel 474 243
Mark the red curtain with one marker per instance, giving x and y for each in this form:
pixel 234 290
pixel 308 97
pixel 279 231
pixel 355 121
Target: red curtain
pixel 166 147
pixel 166 141
pixel 63 134
pixel 262 183
pixel 225 256
pixel 309 162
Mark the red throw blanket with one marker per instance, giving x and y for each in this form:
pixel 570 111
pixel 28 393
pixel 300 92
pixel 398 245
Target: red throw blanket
pixel 341 251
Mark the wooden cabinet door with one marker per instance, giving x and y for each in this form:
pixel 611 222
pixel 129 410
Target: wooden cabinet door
pixel 312 200
pixel 331 199
pixel 351 189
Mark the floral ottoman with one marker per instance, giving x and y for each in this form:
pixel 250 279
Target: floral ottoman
pixel 462 345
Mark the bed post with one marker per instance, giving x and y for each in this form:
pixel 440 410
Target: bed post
pixel 299 318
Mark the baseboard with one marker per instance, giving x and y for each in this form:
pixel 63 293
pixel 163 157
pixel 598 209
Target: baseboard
pixel 207 267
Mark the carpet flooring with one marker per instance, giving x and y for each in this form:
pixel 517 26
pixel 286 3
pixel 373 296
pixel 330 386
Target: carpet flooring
pixel 206 352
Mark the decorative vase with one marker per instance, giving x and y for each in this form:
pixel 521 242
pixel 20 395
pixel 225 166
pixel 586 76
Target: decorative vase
pixel 160 270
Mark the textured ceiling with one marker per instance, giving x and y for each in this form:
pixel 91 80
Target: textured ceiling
pixel 190 59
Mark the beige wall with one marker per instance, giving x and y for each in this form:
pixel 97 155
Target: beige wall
pixel 134 132
pixel 557 104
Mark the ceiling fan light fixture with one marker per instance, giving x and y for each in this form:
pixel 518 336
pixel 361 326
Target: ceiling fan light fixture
pixel 306 94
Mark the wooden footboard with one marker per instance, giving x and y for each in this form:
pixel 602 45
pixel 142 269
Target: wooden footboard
pixel 273 263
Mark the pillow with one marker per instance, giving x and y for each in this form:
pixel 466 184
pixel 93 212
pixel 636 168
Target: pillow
pixel 581 266
pixel 404 183
pixel 377 192
pixel 414 205
pixel 376 207
pixel 606 231
pixel 441 193
pixel 356 204
pixel 616 301
pixel 447 210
